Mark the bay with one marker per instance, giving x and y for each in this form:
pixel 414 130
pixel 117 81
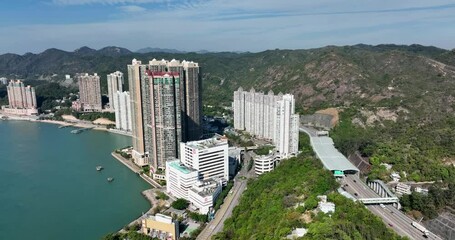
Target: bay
pixel 50 189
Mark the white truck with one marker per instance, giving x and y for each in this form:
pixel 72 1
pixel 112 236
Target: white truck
pixel 425 232
pixel 322 133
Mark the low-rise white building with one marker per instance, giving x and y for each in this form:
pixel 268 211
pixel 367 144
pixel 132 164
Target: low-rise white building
pixel 402 188
pixel 209 157
pixel 324 206
pixel 203 194
pixel 421 190
pixel 297 233
pixel 179 179
pixel 264 163
pixel 395 177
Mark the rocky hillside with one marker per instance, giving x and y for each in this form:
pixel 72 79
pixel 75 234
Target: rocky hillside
pixel 413 77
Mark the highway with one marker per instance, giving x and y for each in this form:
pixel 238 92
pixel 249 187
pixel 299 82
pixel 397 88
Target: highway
pixel 391 216
pixel 232 200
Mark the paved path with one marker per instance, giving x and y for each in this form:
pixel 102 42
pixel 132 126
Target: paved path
pixel 136 169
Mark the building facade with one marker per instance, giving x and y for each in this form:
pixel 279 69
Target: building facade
pixel 21 99
pixel 268 116
pixel 264 163
pixel 166 109
pixel 160 227
pixel 203 194
pixel 89 92
pixel 115 83
pixel 210 157
pixel 179 178
pixel 122 107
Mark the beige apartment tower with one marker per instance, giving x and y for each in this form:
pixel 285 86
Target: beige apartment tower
pixel 166 109
pixel 21 96
pixel 89 92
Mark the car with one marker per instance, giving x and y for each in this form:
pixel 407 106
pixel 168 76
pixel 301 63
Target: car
pixel 390 224
pixel 355 194
pixel 346 185
pixel 354 180
pixel 382 205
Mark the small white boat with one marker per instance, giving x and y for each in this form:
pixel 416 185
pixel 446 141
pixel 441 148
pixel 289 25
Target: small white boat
pixel 99 168
pixel 110 179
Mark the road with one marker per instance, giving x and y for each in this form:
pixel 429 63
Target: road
pixel 232 200
pixel 394 218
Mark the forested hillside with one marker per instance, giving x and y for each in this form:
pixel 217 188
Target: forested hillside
pixel 397 103
pixel 272 206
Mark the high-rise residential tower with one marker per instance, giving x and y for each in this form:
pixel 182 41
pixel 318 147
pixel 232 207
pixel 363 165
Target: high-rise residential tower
pixel 270 117
pixel 122 106
pixel 166 108
pixel 89 92
pixel 21 98
pixel 190 92
pixel 115 83
pixel 138 86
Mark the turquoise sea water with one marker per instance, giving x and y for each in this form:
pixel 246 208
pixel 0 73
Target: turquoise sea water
pixel 50 189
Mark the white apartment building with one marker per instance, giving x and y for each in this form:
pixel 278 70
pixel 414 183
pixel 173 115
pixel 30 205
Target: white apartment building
pixel 269 117
pixel 115 82
pixel 210 157
pixel 122 106
pixel 179 179
pixel 203 194
pixel 287 132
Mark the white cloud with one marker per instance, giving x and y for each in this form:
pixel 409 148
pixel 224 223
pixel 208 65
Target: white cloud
pixel 110 2
pixel 234 25
pixel 132 9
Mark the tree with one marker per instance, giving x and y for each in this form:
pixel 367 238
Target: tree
pixel 180 204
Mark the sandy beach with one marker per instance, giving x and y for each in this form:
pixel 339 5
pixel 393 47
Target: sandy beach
pixel 69 121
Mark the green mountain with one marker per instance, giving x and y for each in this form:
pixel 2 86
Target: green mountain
pixel 397 101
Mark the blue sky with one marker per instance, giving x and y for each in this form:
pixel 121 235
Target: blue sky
pixel 222 25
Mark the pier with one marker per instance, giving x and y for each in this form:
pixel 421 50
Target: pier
pixel 77 131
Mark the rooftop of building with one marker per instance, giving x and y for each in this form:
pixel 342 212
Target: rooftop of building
pixel 160 218
pixel 205 187
pixel 180 167
pixel 214 141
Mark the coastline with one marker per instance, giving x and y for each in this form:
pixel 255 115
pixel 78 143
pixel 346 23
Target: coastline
pixel 78 124
pixel 148 194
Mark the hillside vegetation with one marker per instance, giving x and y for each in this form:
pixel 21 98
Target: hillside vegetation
pixel 397 102
pixel 272 206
